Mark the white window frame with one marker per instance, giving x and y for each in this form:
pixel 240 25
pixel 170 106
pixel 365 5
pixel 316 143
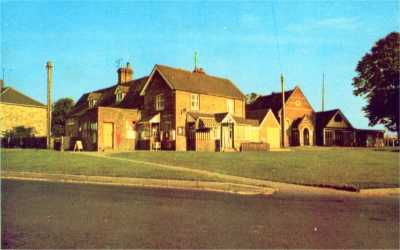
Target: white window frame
pixel 194 102
pixel 120 97
pixel 92 103
pixel 230 106
pixel 160 102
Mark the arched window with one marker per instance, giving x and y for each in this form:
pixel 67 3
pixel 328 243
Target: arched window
pixel 338 118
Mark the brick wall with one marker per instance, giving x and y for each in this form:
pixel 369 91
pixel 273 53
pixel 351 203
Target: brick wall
pixel 124 121
pixel 13 115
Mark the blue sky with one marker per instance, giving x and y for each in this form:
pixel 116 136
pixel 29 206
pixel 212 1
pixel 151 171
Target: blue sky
pixel 237 40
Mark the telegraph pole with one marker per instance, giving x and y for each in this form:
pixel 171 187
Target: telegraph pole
pixel 195 60
pixel 49 67
pixel 323 92
pixel 283 113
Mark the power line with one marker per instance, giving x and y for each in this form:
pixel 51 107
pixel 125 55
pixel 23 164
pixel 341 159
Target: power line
pixel 276 35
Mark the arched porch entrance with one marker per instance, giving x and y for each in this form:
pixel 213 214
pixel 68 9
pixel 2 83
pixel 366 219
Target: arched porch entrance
pixel 306 137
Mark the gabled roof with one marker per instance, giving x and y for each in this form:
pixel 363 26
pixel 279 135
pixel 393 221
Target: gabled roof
pixel 219 117
pixel 196 82
pixel 10 95
pixel 272 101
pixel 107 97
pixel 322 118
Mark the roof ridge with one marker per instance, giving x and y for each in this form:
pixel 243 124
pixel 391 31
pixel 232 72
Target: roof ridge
pixel 30 98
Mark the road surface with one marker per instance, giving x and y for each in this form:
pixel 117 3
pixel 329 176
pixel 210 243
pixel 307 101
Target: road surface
pixel 56 215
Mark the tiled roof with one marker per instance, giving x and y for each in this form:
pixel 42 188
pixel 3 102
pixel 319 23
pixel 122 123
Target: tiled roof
pixel 322 118
pixel 107 97
pixel 272 101
pixel 199 82
pixel 10 95
pixel 258 114
pixel 218 117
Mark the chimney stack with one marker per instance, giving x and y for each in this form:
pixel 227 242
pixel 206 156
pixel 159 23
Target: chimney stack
pixel 125 74
pixel 1 85
pixel 49 67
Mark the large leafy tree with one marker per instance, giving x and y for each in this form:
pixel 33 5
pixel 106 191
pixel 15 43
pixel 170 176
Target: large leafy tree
pixel 377 80
pixel 59 115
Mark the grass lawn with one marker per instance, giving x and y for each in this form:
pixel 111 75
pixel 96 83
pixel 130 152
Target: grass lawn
pixel 361 168
pixel 47 161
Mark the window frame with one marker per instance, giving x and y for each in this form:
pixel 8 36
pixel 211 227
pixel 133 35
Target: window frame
pixel 195 100
pixel 160 102
pixel 230 106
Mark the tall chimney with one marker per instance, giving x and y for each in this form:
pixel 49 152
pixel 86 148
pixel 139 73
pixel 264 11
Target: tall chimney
pixel 125 74
pixel 49 67
pixel 283 136
pixel 1 85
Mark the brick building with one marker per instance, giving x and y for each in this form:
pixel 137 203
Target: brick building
pixel 190 110
pixel 172 109
pixel 106 118
pixel 299 118
pixel 19 110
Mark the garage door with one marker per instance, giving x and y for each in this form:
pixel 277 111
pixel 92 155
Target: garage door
pixel 108 135
pixel 273 137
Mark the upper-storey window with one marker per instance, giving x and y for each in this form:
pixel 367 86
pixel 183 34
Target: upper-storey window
pixel 120 96
pixel 194 102
pixel 159 102
pixel 230 106
pixel 92 103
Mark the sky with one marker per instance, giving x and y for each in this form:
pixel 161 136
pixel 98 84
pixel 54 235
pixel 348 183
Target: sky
pixel 249 42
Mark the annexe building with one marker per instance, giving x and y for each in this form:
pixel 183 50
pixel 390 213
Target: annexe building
pixel 19 110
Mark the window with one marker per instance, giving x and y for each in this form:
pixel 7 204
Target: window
pixel 120 96
pixel 160 102
pixel 194 102
pixel 338 118
pixel 230 106
pixel 92 103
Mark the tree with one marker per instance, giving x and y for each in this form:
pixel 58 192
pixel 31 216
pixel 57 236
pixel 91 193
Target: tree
pixel 377 80
pixel 59 115
pixel 251 97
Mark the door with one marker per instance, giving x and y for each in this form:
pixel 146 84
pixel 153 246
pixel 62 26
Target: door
pixel 108 135
pixel 273 137
pixel 227 136
pixel 306 137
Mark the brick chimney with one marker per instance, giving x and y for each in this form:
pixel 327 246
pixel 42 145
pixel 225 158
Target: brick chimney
pixel 125 74
pixel 1 85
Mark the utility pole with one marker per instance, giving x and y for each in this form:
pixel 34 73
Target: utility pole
pixel 49 67
pixel 195 60
pixel 323 92
pixel 283 141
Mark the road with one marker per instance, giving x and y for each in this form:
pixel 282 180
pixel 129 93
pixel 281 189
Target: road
pixel 57 215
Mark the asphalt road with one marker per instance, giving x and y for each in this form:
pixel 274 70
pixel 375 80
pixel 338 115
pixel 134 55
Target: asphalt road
pixel 51 215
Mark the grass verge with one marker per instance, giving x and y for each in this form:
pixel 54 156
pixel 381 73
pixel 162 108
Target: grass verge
pixel 355 168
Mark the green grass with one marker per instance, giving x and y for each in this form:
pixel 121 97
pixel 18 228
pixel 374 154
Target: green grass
pixel 47 161
pixel 360 168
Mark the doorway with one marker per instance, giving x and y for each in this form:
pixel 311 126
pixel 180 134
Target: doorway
pixel 306 137
pixel 108 135
pixel 227 136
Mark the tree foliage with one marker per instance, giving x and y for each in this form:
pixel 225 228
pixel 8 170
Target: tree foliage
pixel 377 80
pixel 59 115
pixel 20 132
pixel 251 97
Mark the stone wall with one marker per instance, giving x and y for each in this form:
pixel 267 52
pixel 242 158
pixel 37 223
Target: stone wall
pixel 13 115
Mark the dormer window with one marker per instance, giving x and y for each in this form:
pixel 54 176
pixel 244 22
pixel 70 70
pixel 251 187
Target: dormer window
pixel 92 103
pixel 120 97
